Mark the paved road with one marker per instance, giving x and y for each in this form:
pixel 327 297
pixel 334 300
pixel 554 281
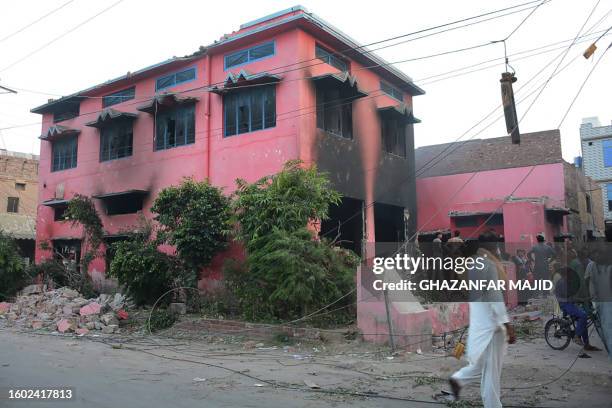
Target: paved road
pixel 105 377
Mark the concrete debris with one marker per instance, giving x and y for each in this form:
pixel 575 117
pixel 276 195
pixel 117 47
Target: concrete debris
pixel 65 310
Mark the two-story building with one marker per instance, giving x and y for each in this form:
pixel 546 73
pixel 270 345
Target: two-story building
pixel 286 86
pixel 596 144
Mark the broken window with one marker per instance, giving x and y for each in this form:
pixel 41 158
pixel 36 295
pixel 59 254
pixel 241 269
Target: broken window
pixel 175 127
pixel 118 97
pixel 249 110
pixel 125 202
pixel 123 205
pixel 59 213
pixel 393 135
pixel 249 55
pixel 68 252
pixel 334 111
pixel 391 91
pixel 329 58
pixel 12 205
pixel 175 78
pixel 116 140
pixel 64 152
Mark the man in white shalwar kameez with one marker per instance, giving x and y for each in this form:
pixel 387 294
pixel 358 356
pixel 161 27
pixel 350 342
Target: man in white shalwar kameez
pixel 489 326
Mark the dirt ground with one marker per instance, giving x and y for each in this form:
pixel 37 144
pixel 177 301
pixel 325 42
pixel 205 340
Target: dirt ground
pixel 180 368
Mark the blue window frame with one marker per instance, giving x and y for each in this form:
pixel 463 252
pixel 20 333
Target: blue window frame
pixel 607 152
pixel 392 91
pixel 116 141
pixel 175 78
pixel 249 110
pixel 330 58
pixel 64 153
pixel 609 190
pixel 175 127
pixel 118 97
pixel 245 56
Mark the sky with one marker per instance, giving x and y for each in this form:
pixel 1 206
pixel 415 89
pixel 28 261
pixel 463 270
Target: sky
pixel 137 33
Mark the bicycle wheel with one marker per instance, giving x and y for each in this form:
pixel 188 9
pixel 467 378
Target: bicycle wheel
pixel 557 333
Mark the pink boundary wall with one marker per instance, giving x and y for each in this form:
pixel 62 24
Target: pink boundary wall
pixel 414 330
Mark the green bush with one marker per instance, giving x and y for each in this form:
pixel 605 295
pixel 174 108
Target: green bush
pixel 195 218
pixel 12 269
pixel 289 275
pixel 161 319
pixel 142 269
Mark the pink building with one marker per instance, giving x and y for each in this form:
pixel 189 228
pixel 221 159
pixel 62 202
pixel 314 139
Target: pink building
pixel 518 191
pixel 286 86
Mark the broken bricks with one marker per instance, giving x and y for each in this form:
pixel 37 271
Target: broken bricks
pixel 66 310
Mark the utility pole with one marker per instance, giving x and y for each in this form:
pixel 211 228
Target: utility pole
pixel 507 92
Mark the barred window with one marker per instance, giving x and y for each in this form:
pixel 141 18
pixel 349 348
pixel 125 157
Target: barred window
pixel 175 127
pixel 64 153
pixel 249 110
pixel 116 141
pixel 393 136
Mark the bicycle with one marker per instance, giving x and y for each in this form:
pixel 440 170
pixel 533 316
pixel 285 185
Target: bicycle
pixel 560 330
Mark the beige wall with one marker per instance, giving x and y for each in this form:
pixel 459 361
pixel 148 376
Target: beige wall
pixel 19 168
pixel 577 187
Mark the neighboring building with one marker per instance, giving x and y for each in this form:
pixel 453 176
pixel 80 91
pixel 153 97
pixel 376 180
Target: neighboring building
pixel 19 198
pixel 518 190
pixel 286 86
pixel 596 143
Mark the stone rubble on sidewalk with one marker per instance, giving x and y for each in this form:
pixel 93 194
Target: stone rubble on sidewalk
pixel 65 310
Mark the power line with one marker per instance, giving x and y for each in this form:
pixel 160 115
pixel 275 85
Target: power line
pixel 362 46
pixel 35 21
pixel 42 47
pixel 582 85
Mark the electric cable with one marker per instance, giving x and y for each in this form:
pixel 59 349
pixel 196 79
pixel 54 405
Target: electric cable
pixel 55 10
pixel 65 33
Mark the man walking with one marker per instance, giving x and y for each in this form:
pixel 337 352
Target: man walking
pixel 541 253
pixel 489 326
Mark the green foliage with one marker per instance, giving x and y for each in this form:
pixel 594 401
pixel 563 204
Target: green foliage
pixel 161 319
pixel 12 269
pixel 194 217
pixel 290 275
pixel 285 201
pixel 82 211
pixel 142 269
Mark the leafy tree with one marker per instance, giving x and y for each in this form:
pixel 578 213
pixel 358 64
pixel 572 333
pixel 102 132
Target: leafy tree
pixel 82 211
pixel 285 201
pixel 12 268
pixel 194 217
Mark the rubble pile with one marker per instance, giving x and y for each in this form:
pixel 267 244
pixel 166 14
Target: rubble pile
pixel 65 310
